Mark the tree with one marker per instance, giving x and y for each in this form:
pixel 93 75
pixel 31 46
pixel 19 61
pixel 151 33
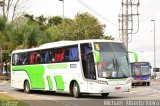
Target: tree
pixel 83 26
pixel 88 27
pixel 3 36
pixel 107 37
pixel 54 21
pixel 12 8
pixel 41 20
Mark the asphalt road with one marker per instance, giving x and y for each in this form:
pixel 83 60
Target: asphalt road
pixel 42 98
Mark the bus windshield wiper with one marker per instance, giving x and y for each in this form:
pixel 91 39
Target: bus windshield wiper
pixel 114 65
pixel 124 76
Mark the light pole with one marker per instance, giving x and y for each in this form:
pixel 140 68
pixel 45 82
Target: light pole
pixel 63 16
pixel 154 44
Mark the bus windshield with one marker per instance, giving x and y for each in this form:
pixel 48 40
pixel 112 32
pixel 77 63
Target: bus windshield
pixel 140 68
pixel 114 61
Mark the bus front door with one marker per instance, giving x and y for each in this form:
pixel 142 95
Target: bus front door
pixel 91 73
pixel 88 66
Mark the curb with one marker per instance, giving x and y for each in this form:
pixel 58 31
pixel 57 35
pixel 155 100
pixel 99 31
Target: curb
pixel 4 81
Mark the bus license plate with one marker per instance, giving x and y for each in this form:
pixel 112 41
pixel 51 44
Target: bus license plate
pixel 117 88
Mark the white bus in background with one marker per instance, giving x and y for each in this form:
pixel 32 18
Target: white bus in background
pixel 76 67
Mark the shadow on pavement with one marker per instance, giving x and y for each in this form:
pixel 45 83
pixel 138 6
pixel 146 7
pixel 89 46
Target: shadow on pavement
pixel 58 94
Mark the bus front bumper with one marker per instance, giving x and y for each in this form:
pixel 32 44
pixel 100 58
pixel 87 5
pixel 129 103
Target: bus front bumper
pixel 140 81
pixel 113 88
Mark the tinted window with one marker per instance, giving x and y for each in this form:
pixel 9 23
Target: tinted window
pixel 65 54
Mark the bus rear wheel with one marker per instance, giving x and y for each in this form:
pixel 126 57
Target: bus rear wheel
pixel 76 91
pixel 27 87
pixel 104 95
pixel 148 83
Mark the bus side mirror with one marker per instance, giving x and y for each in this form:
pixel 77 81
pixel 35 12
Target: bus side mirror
pixel 97 56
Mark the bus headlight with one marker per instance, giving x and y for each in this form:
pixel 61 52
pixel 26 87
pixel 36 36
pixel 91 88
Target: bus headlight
pixel 149 78
pixel 102 82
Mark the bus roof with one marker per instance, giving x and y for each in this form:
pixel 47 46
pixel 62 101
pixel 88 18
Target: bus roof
pixel 62 43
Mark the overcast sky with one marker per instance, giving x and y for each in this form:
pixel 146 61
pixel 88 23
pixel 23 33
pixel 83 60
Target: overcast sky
pixel 142 42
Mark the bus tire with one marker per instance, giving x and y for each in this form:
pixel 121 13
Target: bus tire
pixel 148 83
pixel 144 83
pixel 76 90
pixel 27 87
pixel 104 95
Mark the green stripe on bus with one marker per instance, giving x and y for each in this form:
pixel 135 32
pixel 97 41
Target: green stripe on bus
pixel 59 82
pixel 50 82
pixel 35 74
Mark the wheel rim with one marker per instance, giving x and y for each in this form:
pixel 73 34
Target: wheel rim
pixel 27 87
pixel 75 89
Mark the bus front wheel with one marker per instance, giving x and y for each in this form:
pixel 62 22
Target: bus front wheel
pixel 76 91
pixel 27 87
pixel 104 95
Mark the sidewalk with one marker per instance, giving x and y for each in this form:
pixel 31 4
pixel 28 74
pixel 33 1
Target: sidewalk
pixel 155 80
pixel 4 78
pixel 5 81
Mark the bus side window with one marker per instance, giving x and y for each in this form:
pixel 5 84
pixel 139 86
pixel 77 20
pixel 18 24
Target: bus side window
pixel 59 55
pixel 16 59
pixel 32 58
pixel 24 58
pixel 46 57
pixel 52 56
pixel 13 59
pixel 66 54
pixel 73 54
pixel 37 57
pixel 20 59
pixel 43 57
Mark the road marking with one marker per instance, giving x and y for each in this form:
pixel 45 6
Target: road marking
pixel 128 92
pixel 4 92
pixel 156 95
pixel 154 90
pixel 41 97
pixel 134 91
pixel 68 103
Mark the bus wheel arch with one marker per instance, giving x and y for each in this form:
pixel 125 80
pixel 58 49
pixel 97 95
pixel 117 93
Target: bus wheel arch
pixel 27 87
pixel 104 95
pixel 74 89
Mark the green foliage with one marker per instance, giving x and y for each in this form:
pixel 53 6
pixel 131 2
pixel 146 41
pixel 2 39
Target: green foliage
pixel 6 57
pixel 30 31
pixel 84 26
pixel 3 22
pixel 3 36
pixel 88 27
pixel 107 37
pixel 30 17
pixel 54 21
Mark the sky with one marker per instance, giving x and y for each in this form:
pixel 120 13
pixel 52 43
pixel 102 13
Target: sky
pixel 142 42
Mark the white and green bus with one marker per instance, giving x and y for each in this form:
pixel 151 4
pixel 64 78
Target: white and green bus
pixel 75 67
